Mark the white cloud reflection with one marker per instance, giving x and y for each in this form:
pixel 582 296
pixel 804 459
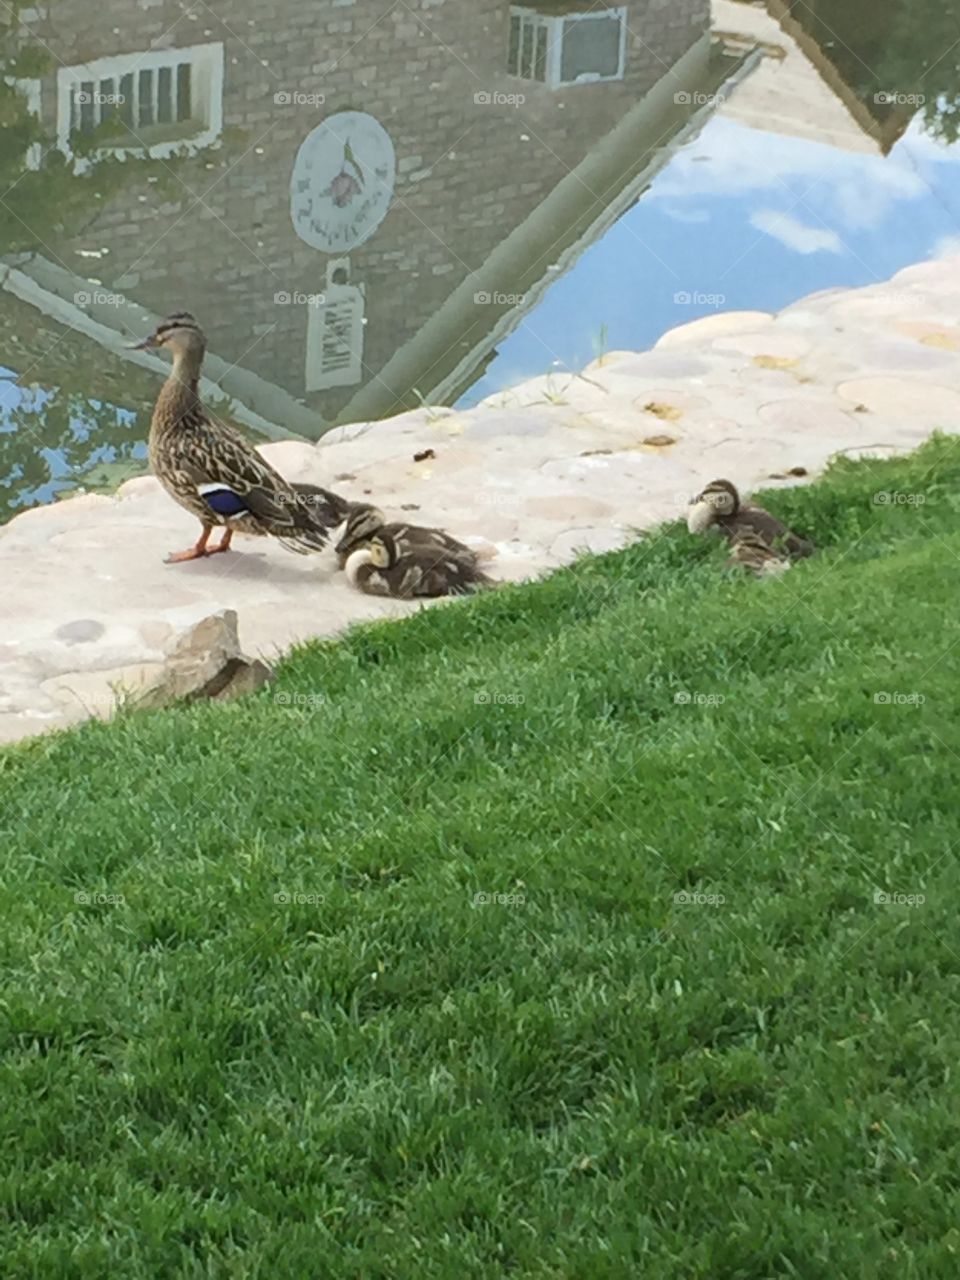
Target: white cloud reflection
pixel 794 234
pixel 851 190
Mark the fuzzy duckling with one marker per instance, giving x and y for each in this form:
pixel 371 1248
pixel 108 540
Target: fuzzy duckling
pixel 211 470
pixel 719 507
pixel 382 566
pixel 754 555
pixel 365 522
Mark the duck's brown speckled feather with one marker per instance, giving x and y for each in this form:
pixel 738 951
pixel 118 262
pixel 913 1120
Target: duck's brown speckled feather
pixel 767 527
pixel 751 552
pixel 419 576
pixel 725 512
pixel 189 448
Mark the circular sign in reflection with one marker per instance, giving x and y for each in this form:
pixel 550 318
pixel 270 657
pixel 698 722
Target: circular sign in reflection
pixel 342 182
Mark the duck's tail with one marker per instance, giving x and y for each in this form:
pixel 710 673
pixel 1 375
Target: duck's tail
pixel 476 583
pixel 327 507
pixel 318 513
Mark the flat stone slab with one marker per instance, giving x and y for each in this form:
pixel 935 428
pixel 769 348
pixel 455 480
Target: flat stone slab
pixel 715 326
pixel 534 476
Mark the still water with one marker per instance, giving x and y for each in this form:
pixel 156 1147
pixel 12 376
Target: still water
pixel 370 205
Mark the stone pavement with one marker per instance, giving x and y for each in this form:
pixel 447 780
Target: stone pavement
pixel 560 464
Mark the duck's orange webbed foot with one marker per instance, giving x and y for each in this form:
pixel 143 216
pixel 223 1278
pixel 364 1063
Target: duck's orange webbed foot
pixel 222 545
pixel 200 549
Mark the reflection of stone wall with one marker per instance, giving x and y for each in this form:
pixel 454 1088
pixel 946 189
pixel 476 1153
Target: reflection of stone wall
pixel 223 245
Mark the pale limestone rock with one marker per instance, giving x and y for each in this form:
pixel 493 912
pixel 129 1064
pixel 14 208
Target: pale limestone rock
pixel 80 501
pixel 878 451
pixel 81 694
pixel 14 727
pixel 667 405
pixel 292 458
pixel 156 634
pixel 83 631
pixel 564 506
pixel 945 337
pixel 596 541
pixel 609 360
pixel 206 662
pixel 716 326
pixel 920 402
pixel 659 364
pixel 812 420
pixel 808 309
pixel 926 275
pixel 782 345
pixel 139 487
pixel 492 425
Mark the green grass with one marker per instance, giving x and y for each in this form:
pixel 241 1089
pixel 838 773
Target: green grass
pixel 598 1081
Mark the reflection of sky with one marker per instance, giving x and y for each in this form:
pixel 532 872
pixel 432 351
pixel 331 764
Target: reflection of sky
pixel 22 408
pixel 754 218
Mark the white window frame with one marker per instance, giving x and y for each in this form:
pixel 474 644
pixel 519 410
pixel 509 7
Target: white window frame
pixel 553 25
pixel 207 59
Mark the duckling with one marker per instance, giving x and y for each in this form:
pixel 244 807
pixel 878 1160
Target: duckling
pixel 753 554
pixel 211 470
pixel 383 566
pixel 719 506
pixel 365 522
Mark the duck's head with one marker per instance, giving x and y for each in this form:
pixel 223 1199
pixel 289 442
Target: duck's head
pixel 379 551
pixel 383 551
pixel 179 333
pixel 360 526
pixel 718 500
pixel 722 497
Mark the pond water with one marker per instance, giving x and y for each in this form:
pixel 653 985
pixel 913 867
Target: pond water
pixel 434 202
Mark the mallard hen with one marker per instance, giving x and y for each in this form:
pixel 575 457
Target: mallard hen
pixel 212 472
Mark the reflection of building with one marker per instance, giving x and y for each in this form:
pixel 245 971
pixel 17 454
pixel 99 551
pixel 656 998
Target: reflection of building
pixel 167 99
pixel 846 43
pixel 807 86
pixel 514 129
pixel 565 48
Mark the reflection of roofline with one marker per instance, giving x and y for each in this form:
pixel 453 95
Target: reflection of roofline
pixel 226 387
pixel 887 129
pixel 451 350
pixel 666 148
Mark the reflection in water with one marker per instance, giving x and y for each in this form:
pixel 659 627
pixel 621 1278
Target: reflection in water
pixel 72 435
pixel 398 204
pixel 895 54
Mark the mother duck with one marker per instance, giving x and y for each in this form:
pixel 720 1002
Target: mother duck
pixel 210 469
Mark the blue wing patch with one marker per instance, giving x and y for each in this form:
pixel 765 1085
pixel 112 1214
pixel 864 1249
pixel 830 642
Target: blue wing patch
pixel 222 501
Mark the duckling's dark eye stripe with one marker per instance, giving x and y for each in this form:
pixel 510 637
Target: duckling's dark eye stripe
pixel 362 524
